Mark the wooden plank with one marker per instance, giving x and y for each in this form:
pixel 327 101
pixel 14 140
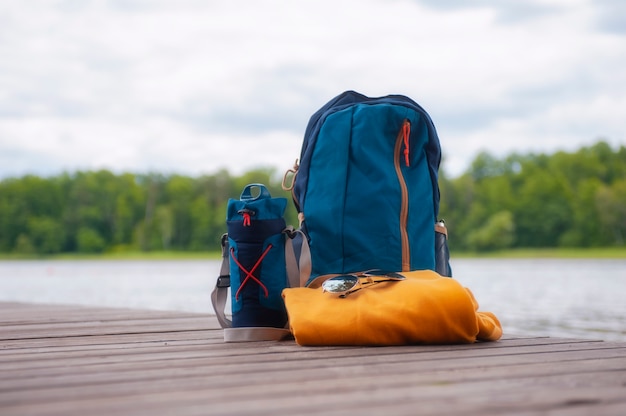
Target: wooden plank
pixel 262 354
pixel 232 374
pixel 90 327
pixel 73 316
pixel 94 361
pixel 116 383
pixel 61 321
pixel 115 342
pixel 121 340
pixel 377 395
pixel 526 375
pixel 104 342
pixel 24 312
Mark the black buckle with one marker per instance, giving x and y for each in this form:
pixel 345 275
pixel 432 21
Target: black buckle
pixel 223 281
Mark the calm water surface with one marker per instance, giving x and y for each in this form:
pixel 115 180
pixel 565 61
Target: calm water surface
pixel 553 297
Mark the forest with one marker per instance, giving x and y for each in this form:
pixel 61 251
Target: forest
pixel 575 199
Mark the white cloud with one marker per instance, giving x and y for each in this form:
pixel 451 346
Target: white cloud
pixel 192 86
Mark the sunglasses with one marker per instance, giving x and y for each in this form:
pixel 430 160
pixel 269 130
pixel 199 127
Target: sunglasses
pixel 344 284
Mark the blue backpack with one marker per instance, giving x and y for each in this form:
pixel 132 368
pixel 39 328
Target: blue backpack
pixel 366 187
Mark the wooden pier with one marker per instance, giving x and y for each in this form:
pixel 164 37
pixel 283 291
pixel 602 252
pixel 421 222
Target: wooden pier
pixel 72 360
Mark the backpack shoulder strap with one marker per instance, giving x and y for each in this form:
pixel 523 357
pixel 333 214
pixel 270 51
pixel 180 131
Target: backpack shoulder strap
pixel 298 268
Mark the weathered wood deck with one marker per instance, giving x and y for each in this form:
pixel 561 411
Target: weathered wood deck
pixel 69 360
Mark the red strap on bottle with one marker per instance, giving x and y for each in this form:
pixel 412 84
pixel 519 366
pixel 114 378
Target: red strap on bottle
pixel 249 274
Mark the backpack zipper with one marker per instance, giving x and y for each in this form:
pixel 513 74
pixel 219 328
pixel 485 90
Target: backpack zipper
pixel 399 154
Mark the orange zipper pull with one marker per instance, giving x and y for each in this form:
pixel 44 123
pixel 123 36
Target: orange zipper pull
pixel 406 133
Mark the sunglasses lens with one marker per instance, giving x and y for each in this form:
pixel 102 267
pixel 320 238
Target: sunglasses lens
pixel 339 284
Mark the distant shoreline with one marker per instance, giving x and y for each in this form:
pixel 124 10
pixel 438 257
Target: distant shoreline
pixel 134 255
pixel 564 253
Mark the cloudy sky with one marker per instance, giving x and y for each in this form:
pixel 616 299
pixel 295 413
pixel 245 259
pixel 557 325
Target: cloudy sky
pixel 192 86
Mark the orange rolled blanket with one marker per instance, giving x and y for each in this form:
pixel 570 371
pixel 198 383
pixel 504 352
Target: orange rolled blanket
pixel 425 308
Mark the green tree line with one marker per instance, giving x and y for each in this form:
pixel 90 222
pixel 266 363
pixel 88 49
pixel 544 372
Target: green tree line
pixel 523 200
pixel 93 212
pixel 564 199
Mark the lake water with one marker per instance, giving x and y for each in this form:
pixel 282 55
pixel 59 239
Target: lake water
pixel 551 297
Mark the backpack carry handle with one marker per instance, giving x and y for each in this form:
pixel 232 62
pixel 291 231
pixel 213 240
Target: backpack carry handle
pixel 246 194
